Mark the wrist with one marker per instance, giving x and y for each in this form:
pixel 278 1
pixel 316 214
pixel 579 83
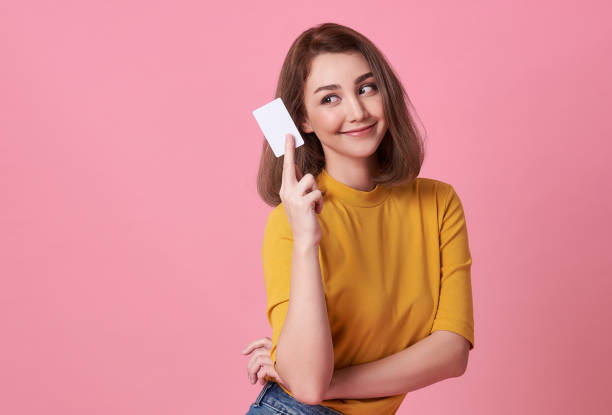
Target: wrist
pixel 304 247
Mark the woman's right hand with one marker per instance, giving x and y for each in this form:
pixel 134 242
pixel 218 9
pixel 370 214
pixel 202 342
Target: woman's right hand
pixel 301 199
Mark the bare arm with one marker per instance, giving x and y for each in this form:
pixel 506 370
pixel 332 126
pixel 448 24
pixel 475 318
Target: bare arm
pixel 441 355
pixel 305 354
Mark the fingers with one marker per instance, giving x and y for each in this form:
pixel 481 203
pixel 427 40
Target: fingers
pixel 306 184
pixel 292 173
pixel 264 341
pixel 262 348
pixel 261 374
pixel 258 361
pixel 269 371
pixel 288 161
pixel 314 198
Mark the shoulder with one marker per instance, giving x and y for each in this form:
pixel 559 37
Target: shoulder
pixel 426 188
pixel 429 194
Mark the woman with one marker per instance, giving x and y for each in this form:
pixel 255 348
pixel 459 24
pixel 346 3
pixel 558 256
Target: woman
pixel 366 265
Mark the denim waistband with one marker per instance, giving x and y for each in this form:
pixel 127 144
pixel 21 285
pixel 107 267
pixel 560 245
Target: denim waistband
pixel 267 386
pixel 274 397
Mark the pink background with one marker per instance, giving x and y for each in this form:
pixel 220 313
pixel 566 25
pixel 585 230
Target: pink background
pixel 130 241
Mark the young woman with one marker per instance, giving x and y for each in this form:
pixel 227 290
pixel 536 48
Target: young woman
pixel 366 265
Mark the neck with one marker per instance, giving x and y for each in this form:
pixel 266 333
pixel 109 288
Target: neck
pixel 355 173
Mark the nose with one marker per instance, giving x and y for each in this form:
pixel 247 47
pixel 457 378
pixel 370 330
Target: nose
pixel 355 110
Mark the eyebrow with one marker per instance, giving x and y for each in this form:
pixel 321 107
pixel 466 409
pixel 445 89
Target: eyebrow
pixel 336 86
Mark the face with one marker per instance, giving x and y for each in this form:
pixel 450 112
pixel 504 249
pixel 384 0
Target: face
pixel 338 98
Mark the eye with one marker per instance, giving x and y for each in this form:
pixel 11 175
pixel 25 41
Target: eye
pixel 371 85
pixel 325 101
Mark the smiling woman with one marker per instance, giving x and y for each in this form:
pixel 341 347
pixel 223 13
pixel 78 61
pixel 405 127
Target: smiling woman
pixel 366 266
pixel 356 111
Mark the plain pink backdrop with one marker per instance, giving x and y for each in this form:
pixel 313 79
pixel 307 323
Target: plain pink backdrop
pixel 131 229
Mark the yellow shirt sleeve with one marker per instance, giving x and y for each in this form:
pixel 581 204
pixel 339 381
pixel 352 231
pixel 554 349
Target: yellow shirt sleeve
pixel 277 251
pixel 455 310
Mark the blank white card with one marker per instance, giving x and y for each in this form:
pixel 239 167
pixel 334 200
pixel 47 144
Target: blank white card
pixel 275 122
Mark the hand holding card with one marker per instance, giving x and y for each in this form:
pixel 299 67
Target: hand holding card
pixel 275 122
pixel 302 200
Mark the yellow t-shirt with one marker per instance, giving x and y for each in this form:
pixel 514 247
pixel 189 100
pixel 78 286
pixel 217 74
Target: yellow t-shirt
pixel 395 266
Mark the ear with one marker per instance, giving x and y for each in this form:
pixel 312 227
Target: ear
pixel 306 127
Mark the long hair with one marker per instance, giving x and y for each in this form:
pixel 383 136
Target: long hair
pixel 401 151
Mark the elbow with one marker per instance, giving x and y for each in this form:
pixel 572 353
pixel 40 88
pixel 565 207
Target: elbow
pixel 459 352
pixel 317 391
pixel 306 385
pixel 461 368
pixel 309 399
pixel 460 363
pixel 311 396
pixel 305 392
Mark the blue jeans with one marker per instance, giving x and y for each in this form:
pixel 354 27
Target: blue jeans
pixel 273 400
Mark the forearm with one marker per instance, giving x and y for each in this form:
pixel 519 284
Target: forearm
pixel 305 351
pixel 432 359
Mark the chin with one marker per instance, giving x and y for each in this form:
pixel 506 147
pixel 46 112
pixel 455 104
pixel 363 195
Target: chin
pixel 361 149
pixel 361 145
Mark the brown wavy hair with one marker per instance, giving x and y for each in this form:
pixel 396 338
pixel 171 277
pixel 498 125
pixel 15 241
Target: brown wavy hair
pixel 401 151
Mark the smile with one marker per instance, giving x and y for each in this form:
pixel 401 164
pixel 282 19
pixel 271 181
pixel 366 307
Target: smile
pixel 361 132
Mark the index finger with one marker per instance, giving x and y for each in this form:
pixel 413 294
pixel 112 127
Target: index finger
pixel 265 341
pixel 288 161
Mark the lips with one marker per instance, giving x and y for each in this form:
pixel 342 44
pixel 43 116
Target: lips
pixel 357 129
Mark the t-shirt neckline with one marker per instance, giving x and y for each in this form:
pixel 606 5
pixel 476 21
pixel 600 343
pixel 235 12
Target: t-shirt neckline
pixel 349 195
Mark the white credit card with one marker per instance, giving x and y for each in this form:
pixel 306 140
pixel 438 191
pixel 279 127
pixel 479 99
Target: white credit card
pixel 275 122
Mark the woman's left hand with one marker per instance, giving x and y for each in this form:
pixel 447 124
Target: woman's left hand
pixel 260 365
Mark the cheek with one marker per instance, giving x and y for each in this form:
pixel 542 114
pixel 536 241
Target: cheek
pixel 379 113
pixel 328 120
pixel 377 108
